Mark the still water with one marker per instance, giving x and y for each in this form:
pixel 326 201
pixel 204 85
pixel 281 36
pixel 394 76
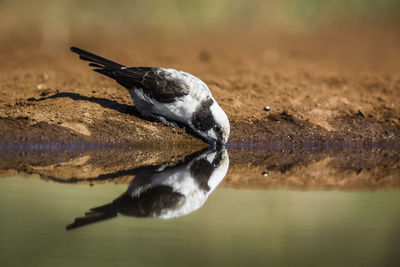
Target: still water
pixel 234 227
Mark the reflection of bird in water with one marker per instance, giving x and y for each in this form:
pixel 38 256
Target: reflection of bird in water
pixel 165 192
pixel 168 95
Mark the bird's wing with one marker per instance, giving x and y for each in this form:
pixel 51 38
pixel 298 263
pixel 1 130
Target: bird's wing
pixel 159 84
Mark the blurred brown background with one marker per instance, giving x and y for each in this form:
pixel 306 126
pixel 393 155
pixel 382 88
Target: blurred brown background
pixel 55 24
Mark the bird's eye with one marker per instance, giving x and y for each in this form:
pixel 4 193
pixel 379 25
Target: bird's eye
pixel 218 129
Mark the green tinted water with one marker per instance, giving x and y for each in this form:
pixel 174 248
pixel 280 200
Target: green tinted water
pixel 233 228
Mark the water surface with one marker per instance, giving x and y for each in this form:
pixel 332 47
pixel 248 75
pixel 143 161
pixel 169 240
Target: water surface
pixel 235 227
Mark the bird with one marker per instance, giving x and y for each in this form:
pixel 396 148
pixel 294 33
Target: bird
pixel 168 96
pixel 165 191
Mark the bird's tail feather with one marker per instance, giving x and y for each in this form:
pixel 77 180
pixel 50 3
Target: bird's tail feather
pixel 96 61
pixel 94 215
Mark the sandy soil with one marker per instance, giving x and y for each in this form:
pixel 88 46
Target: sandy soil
pixel 332 83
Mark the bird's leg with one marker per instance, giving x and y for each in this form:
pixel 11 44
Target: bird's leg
pixel 165 121
pixel 165 165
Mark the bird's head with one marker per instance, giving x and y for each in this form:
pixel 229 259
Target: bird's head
pixel 211 123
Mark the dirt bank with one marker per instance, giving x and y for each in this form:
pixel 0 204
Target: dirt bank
pixel 339 166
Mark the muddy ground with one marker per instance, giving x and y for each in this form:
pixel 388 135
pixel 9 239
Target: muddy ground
pixel 337 84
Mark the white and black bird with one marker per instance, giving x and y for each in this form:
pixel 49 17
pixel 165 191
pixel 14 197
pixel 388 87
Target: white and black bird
pixel 167 95
pixel 166 192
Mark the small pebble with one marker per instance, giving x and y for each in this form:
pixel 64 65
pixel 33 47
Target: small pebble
pixel 265 174
pixel 267 108
pixel 40 86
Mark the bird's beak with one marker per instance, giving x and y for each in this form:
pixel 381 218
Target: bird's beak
pixel 219 144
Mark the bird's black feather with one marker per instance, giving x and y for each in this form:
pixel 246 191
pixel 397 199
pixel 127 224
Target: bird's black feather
pixel 95 65
pixel 201 171
pixel 150 203
pixel 203 118
pixel 85 55
pixel 156 83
